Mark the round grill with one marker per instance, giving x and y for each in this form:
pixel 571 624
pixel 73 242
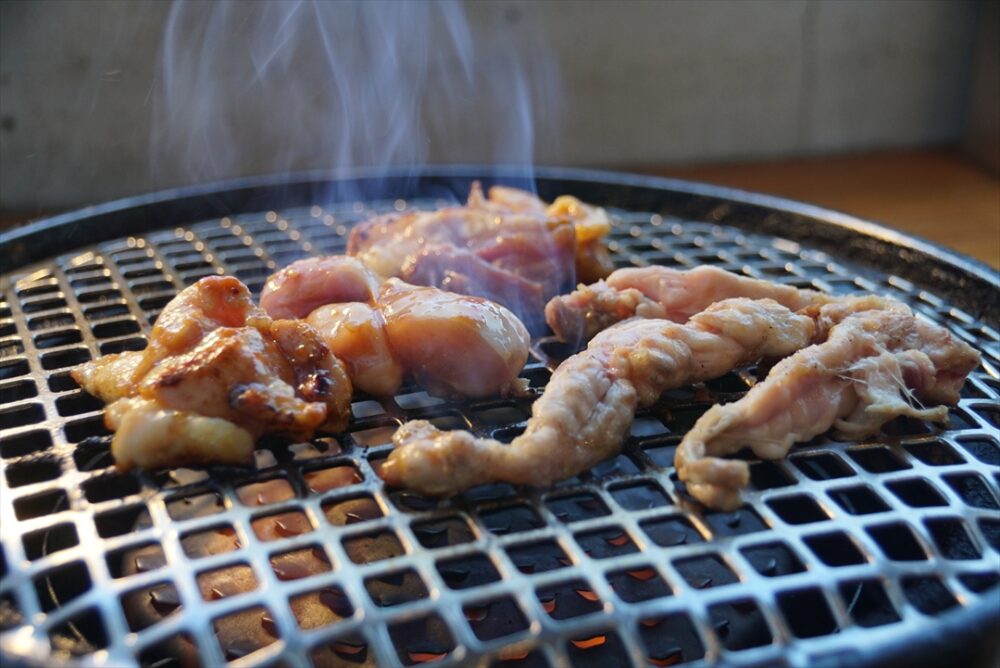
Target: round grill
pixel 845 553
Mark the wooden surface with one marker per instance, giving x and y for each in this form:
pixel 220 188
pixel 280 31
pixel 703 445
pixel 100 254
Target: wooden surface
pixel 937 195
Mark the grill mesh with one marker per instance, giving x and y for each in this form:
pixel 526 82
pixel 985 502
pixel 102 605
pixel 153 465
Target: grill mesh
pixel 842 545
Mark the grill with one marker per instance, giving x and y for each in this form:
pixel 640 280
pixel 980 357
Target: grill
pixel 845 553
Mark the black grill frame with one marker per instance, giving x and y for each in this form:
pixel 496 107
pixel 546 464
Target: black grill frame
pixel 152 246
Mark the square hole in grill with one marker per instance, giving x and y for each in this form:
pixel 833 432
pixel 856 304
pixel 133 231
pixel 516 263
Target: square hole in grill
pixel 113 328
pixel 62 382
pixel 121 521
pixel 93 454
pixel 61 337
pixel 395 588
pixel 672 530
pixel 26 443
pixel 41 504
pixel 538 557
pixel 979 582
pixel 596 650
pixel 576 507
pixel 39 305
pixel 266 492
pixel 243 633
pixel 352 510
pixel 375 546
pixel 952 539
pixel 867 603
pixel 21 416
pixel 17 390
pixel 298 564
pixel 470 571
pixel 80 635
pixel 928 594
pixel 742 521
pixel 219 539
pixel 133 559
pixel 835 549
pixel 495 618
pixel 11 347
pixel 639 583
pixel 807 613
pixel 769 475
pixel 30 472
pixel 350 649
pixel 422 640
pixel 773 559
pixel 511 519
pixel 77 403
pixel 46 541
pixel 91 427
pixel 111 486
pixel 281 525
pixel 319 608
pixel 661 452
pixel 798 509
pixel 640 495
pixel 973 490
pixel 367 438
pixel 51 321
pixel 878 459
pixel 105 311
pixel 740 625
pixel 227 581
pixel 148 605
pixel 411 502
pixel 572 598
pixel 705 571
pixel 670 640
pixel 982 448
pixel 196 505
pixel 917 493
pixel 323 480
pixel 620 465
pixel 13 368
pixel 605 543
pixel 647 425
pixel 58 586
pixel 442 532
pixel 823 466
pixel 65 358
pixel 897 542
pixel 858 500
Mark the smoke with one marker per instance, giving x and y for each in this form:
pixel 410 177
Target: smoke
pixel 248 87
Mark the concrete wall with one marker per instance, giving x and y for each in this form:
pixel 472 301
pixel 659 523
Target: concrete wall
pixel 92 106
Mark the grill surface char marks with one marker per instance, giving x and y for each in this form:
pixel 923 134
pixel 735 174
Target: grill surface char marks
pixel 882 536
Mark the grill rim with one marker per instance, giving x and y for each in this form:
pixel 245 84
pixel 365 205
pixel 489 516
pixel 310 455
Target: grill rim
pixel 923 262
pixel 970 624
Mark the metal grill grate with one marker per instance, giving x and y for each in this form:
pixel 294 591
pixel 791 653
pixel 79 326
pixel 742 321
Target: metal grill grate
pixel 841 546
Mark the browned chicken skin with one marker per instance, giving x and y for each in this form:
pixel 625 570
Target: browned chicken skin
pixel 217 374
pixel 872 366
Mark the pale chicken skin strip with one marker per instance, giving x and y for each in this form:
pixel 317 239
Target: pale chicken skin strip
pixel 875 366
pixel 661 292
pixel 590 401
pixel 217 374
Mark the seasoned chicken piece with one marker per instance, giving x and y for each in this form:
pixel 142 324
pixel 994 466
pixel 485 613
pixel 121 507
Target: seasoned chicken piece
pixel 355 332
pixel 660 292
pixel 510 247
pixel 590 401
pixel 875 366
pixel 305 285
pixel 217 374
pixel 454 344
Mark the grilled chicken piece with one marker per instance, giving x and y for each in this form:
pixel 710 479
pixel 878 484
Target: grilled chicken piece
pixel 591 399
pixel 510 247
pixel 660 292
pixel 875 366
pixel 455 345
pixel 217 374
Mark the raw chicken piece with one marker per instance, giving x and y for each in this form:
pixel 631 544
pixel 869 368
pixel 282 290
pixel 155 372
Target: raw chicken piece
pixel 305 285
pixel 355 332
pixel 455 345
pixel 875 366
pixel 660 292
pixel 217 374
pixel 591 399
pixel 510 247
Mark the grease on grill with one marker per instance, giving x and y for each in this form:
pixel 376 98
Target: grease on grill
pixel 572 598
pixel 670 640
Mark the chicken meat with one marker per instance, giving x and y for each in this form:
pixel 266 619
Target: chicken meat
pixel 217 374
pixel 872 366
